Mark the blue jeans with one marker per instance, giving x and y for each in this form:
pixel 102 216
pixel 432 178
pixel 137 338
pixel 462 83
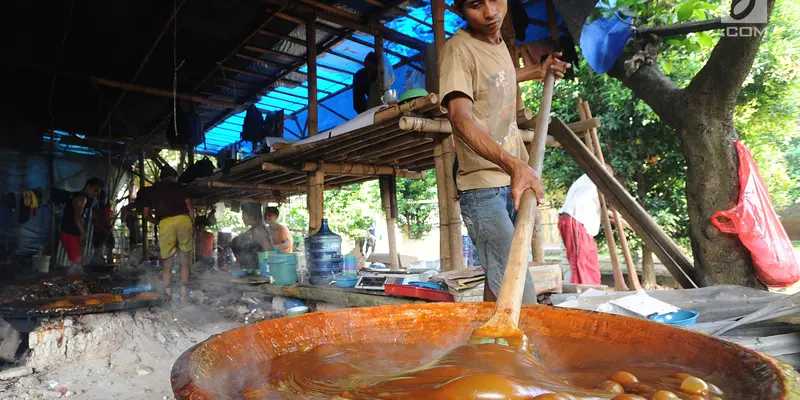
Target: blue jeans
pixel 489 216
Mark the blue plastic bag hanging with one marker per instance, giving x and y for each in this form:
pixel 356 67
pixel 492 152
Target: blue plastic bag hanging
pixel 602 41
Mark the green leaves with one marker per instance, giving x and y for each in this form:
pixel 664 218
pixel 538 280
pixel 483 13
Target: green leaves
pixel 685 10
pixel 704 39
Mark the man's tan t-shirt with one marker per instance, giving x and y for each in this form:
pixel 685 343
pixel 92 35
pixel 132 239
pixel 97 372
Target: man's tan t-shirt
pixel 485 73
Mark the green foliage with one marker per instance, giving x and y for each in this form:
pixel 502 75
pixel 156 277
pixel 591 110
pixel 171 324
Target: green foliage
pixel 413 204
pixel 229 220
pixel 352 212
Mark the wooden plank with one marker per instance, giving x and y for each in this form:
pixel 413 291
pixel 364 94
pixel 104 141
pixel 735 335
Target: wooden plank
pixel 777 345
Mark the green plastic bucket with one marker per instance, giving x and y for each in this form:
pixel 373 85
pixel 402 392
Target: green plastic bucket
pixel 282 267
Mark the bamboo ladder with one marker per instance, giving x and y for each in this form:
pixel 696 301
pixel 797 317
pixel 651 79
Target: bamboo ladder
pixel 592 142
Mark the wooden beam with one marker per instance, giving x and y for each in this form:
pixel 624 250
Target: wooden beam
pixel 271 52
pixel 166 93
pixel 311 56
pixel 282 37
pixel 353 22
pixel 262 186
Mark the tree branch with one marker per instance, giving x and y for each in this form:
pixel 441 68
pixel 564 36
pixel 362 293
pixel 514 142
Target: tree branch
pixel 651 85
pixel 729 64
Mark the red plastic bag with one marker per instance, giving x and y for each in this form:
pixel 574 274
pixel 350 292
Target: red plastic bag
pixel 758 227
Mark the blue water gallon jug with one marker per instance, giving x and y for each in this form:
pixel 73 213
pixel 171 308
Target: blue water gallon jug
pixel 324 253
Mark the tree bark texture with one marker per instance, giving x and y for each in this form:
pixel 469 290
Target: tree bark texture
pixel 702 115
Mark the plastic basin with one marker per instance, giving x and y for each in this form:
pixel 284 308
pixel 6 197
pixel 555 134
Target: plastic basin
pixel 346 282
pixel 566 339
pixel 677 318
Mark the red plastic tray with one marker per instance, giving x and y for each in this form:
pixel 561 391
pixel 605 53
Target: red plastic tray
pixel 417 292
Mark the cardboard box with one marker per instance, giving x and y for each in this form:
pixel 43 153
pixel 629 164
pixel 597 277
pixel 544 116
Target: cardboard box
pixel 546 277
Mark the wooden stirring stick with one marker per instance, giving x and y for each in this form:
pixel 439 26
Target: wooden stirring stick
pixel 503 328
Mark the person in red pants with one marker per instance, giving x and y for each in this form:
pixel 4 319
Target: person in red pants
pixel 73 232
pixel 579 223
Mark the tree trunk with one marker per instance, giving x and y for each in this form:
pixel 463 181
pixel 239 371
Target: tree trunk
pixel 712 184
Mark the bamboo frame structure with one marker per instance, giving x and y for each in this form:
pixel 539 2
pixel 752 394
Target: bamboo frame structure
pixel 642 223
pixel 619 280
pixel 633 278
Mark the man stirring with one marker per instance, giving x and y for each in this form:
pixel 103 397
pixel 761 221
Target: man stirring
pixel 478 83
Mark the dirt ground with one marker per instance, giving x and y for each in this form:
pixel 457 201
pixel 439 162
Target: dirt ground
pixel 120 356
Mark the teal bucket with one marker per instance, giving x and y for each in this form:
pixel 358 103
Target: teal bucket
pixel 283 268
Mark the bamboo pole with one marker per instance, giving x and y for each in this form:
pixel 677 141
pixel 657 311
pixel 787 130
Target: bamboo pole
pixel 311 55
pixel 456 244
pixel 361 169
pixel 662 245
pixel 420 104
pixel 633 278
pixel 387 200
pixel 619 279
pixel 145 250
pixel 444 205
pixel 263 186
pixel 441 125
pixel 314 200
pixel 165 93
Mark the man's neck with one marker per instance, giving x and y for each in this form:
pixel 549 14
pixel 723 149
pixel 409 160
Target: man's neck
pixel 493 38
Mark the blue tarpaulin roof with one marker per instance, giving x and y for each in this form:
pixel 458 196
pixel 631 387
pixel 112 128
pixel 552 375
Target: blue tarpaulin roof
pixel 335 98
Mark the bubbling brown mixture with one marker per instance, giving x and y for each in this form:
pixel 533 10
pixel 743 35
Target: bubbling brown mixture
pixel 472 371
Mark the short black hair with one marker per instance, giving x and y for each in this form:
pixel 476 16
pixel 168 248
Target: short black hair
pixel 252 209
pixel 271 211
pixel 97 182
pixel 371 58
pixel 168 172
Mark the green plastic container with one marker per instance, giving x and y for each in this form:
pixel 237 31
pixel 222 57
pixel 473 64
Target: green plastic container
pixel 282 267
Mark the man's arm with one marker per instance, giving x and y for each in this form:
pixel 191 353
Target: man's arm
pixel 523 177
pixel 78 203
pixel 284 239
pixel 149 217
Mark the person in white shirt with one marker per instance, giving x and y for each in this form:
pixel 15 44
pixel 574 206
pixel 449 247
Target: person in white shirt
pixel 579 223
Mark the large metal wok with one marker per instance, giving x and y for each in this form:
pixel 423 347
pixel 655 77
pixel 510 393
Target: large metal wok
pixel 565 338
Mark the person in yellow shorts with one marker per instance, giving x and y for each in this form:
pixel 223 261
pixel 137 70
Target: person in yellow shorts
pixel 174 216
